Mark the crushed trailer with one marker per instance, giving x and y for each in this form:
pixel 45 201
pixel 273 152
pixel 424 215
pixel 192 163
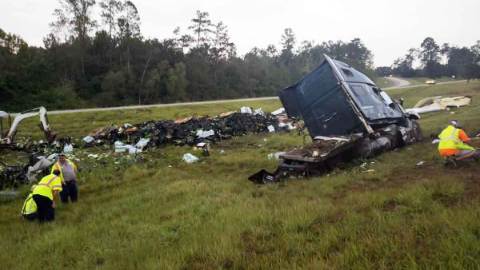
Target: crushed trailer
pixel 347 117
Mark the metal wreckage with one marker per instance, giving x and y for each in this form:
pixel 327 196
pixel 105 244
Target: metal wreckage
pixel 39 156
pixel 14 175
pixel 347 117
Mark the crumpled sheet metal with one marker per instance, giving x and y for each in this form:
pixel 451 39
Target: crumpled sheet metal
pixel 439 103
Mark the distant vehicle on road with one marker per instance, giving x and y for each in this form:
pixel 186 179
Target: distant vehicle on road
pixel 430 82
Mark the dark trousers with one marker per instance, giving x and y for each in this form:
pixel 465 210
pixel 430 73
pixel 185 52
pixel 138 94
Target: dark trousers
pixel 69 190
pixel 45 210
pixel 31 217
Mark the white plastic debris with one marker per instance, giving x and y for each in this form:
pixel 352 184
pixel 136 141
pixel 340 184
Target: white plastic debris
pixel 288 125
pixel 120 147
pixel 420 163
pixel 278 111
pixel 94 156
pixel 246 110
pixel 189 158
pixel 201 145
pixel 142 143
pixel 39 166
pixel 205 133
pixel 259 111
pixel 275 155
pixel 88 139
pixel 132 150
pixel 271 129
pixel 68 148
pixel 278 154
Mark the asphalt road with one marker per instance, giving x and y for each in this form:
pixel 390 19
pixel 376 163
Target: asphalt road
pixel 400 83
pixel 397 82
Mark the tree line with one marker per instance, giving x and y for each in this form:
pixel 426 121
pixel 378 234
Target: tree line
pixel 105 61
pixel 460 62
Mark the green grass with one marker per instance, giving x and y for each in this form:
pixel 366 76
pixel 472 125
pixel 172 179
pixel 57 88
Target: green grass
pixel 160 213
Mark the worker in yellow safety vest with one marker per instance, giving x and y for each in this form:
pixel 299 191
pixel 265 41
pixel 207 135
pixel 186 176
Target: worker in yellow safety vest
pixel 29 209
pixel 45 193
pixel 68 175
pixel 453 143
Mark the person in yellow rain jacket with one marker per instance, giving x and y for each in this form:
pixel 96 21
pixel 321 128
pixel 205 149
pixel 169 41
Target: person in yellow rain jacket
pixel 29 209
pixel 68 175
pixel 45 193
pixel 453 143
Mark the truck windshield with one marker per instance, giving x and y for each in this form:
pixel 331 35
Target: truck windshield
pixel 373 102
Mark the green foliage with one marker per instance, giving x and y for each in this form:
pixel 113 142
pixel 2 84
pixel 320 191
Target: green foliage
pixel 117 66
pixel 176 83
pixel 462 62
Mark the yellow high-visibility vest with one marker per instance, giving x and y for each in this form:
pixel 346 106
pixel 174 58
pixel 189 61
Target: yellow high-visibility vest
pixel 29 206
pixel 57 166
pixel 47 185
pixel 450 139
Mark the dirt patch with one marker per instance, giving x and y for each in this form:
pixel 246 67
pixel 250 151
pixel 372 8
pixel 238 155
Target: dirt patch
pixel 467 172
pixel 331 218
pixel 257 244
pixel 257 194
pixel 390 205
pixel 198 261
pixel 446 199
pixel 472 184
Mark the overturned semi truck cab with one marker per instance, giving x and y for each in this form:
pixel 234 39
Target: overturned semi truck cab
pixel 346 115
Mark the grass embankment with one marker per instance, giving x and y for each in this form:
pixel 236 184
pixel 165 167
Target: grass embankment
pixel 164 214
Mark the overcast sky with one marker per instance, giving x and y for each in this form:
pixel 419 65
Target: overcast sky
pixel 388 28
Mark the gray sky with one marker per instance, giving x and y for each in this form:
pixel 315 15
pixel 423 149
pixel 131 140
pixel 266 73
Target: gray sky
pixel 388 28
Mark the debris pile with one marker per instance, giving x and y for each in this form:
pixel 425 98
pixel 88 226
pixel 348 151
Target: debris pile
pixel 187 131
pixel 134 139
pixel 12 175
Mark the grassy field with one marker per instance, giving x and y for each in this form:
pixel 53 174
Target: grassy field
pixel 160 213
